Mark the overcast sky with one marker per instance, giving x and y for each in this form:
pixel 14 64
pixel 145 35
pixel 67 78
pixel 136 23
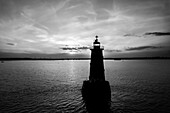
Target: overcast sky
pixel 136 27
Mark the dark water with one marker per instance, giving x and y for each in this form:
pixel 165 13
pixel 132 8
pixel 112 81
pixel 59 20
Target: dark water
pixel 55 86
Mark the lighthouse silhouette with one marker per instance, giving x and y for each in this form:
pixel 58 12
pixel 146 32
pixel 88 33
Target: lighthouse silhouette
pixel 96 91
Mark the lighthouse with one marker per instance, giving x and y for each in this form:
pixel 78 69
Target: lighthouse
pixel 97 65
pixel 96 91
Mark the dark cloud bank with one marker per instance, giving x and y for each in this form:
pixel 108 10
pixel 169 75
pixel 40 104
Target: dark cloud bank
pixel 141 48
pixel 158 33
pixel 149 33
pixel 75 48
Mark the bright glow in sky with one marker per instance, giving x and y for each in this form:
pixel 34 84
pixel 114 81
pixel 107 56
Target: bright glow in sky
pixel 69 26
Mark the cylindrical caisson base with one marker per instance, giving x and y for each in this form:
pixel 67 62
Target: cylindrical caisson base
pixel 97 96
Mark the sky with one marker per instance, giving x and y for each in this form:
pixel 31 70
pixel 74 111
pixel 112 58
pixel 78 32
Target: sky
pixel 67 28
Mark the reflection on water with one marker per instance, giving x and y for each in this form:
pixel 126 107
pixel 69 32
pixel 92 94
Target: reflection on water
pixel 54 86
pixel 72 69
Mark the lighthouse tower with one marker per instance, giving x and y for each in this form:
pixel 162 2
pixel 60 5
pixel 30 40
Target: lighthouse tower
pixel 96 91
pixel 97 65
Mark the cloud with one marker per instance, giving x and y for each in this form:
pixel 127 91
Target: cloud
pixel 113 50
pixel 11 9
pixel 134 48
pixel 69 48
pixel 75 48
pixel 158 33
pixel 83 48
pixel 11 44
pixel 141 48
pixel 131 35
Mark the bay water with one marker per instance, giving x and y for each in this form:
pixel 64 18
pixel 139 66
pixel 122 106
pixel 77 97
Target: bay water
pixel 137 86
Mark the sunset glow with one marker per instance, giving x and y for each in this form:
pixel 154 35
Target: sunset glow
pixel 49 26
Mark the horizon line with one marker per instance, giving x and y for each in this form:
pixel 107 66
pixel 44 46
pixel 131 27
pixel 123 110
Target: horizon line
pixel 117 58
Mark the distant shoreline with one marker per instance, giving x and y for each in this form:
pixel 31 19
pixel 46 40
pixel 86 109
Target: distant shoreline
pixel 131 58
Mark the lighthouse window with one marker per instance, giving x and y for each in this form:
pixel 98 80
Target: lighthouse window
pixel 96 44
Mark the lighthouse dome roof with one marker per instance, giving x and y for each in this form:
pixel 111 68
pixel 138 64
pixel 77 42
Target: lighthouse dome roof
pixel 96 40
